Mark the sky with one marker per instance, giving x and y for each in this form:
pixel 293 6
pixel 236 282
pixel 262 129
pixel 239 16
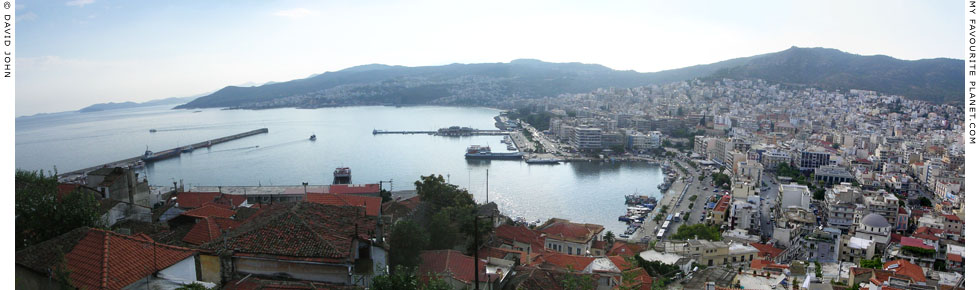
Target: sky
pixel 71 54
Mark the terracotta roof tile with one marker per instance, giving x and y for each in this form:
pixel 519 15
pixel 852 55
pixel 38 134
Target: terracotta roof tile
pixel 767 251
pixel 561 261
pixel 210 210
pixel 371 203
pixel 99 259
pixel 452 263
pixel 621 263
pixel 906 268
pixel 300 231
pixel 209 228
pixel 521 234
pixel 195 199
pixel 564 230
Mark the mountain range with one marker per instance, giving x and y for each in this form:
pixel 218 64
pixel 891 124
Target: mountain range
pixel 937 80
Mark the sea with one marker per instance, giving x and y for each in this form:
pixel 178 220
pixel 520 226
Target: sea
pixel 588 192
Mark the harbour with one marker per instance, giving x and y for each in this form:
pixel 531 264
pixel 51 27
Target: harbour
pixel 583 191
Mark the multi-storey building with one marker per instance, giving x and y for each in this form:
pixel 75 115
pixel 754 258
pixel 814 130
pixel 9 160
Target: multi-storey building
pixel 588 138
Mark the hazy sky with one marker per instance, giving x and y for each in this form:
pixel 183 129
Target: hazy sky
pixel 76 53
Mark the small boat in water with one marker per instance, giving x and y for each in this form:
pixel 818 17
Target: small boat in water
pixel 153 130
pixel 313 137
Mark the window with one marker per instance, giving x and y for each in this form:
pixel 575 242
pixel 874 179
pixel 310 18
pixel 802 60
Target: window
pixel 578 251
pixel 711 262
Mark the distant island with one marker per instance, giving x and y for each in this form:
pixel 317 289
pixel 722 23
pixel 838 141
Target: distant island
pixel 505 84
pixel 129 105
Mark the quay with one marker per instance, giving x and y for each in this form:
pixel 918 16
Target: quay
pixel 443 133
pixel 161 155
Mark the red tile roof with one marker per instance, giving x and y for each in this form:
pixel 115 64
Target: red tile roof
pixel 625 249
pixel 767 251
pixel 195 199
pixel 371 203
pixel 642 279
pixel 355 188
pixel 207 229
pixel 952 217
pixel 521 234
pixel 918 243
pixel 561 261
pixel 564 230
pixel 904 267
pixel 451 263
pixel 501 253
pixel 722 204
pixel 210 210
pixel 99 259
pixel 621 263
pixel 304 231
pixel 954 258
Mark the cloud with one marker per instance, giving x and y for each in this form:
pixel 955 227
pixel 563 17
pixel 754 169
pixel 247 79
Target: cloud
pixel 296 13
pixel 26 17
pixel 79 3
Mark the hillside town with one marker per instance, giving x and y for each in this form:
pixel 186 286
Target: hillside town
pixel 772 187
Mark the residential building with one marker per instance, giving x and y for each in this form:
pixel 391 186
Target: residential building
pixel 326 242
pixel 101 259
pixel 571 238
pixel 588 138
pixel 794 195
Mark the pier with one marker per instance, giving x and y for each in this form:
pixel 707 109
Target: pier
pixel 443 133
pixel 162 155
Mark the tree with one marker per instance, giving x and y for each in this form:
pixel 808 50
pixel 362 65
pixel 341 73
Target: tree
pixel 609 238
pixel 400 278
pixel 819 193
pixel 385 196
pixel 40 214
pixel 442 233
pixel 434 190
pixel 573 281
pixel 925 201
pixel 874 263
pixel 407 242
pixel 701 231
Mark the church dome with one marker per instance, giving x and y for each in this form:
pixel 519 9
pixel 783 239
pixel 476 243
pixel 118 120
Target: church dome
pixel 875 220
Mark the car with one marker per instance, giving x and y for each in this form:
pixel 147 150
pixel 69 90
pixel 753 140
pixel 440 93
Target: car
pixel 716 190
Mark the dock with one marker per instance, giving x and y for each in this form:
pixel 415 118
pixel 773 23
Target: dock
pixel 437 133
pixel 162 155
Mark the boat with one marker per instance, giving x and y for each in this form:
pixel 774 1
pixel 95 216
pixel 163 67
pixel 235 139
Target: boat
pixel 187 149
pixel 313 137
pixel 149 156
pixel 153 130
pixel 543 161
pixel 341 175
pixel 483 152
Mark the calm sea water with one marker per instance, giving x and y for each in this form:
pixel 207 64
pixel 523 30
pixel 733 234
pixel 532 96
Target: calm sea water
pixel 583 192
